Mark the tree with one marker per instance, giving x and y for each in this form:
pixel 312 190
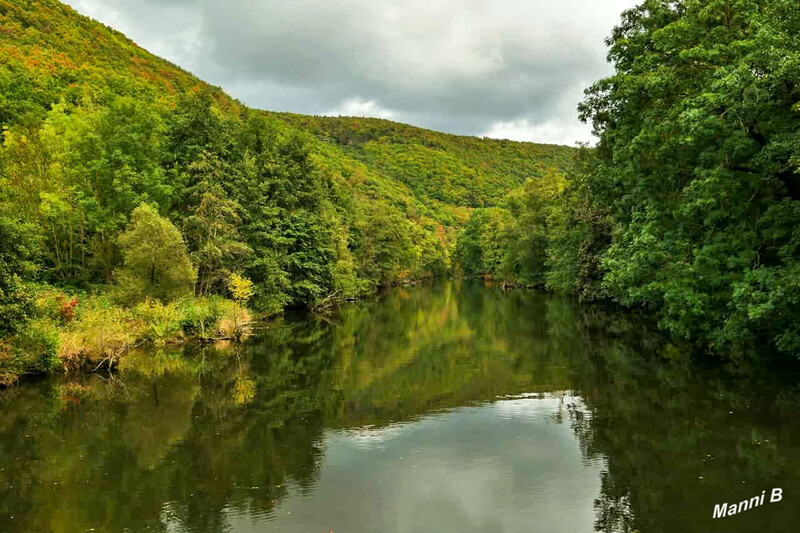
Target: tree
pixel 699 150
pixel 155 260
pixel 531 206
pixel 579 233
pixel 483 244
pixel 241 289
pixel 17 249
pixel 383 248
pixel 213 227
pixel 284 209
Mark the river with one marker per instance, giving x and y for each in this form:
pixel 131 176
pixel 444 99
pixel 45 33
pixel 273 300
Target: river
pixel 450 407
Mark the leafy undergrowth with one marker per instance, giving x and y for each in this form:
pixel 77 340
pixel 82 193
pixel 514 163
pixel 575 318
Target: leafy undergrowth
pixel 71 333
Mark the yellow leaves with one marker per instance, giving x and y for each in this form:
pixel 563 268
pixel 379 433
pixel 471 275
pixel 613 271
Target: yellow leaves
pixel 52 205
pixel 242 289
pixel 244 390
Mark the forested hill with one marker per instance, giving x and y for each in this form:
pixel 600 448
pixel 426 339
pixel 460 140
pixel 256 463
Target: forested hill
pixel 66 75
pixel 128 182
pixel 52 54
pixel 135 198
pixel 457 170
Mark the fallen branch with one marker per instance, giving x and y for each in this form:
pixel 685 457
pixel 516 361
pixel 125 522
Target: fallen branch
pixel 110 358
pixel 326 302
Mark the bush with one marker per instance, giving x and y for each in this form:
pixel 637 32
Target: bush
pixel 32 351
pixel 157 322
pixel 201 316
pixel 99 330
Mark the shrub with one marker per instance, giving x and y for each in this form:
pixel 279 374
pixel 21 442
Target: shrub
pixel 99 330
pixel 157 322
pixel 201 316
pixel 34 350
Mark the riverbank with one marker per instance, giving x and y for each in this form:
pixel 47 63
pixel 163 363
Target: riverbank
pixel 82 332
pixel 85 331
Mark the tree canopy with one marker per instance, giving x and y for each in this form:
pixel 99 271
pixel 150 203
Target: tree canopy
pixel 155 262
pixel 689 206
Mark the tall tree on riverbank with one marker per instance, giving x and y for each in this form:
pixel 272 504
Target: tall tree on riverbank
pixel 700 143
pixel 155 261
pixel 212 227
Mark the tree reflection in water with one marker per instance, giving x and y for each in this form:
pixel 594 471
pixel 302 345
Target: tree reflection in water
pixel 182 441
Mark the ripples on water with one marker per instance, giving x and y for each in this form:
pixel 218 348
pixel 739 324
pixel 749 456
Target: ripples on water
pixel 447 408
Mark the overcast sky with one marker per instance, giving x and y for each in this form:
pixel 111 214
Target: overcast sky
pixel 513 69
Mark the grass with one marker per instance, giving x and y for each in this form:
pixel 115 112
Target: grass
pixel 75 332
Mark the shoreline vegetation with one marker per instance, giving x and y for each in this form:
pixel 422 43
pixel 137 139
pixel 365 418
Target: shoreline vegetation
pixel 78 334
pixel 139 204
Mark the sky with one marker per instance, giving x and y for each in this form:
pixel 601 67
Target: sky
pixel 508 69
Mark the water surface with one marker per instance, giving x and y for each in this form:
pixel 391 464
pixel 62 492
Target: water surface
pixel 445 408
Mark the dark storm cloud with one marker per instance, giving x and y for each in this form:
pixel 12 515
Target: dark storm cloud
pixel 505 68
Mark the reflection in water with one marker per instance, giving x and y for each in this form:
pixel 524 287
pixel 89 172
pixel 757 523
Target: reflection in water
pixel 445 408
pixel 499 467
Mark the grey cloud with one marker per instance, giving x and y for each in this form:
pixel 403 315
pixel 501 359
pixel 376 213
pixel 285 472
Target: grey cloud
pixel 462 66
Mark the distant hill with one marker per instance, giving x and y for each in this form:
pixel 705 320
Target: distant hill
pixel 453 169
pixel 50 53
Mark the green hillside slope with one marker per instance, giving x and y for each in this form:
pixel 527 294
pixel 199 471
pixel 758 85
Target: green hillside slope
pixel 49 53
pixel 437 167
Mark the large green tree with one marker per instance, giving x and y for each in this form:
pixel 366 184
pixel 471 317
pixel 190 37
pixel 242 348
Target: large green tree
pixel 213 226
pixel 700 142
pixel 155 260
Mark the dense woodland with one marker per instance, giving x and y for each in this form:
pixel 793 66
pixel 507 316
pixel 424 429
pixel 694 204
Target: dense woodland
pixel 138 203
pixel 689 207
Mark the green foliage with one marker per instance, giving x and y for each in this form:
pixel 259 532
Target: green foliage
pixel 700 143
pixel 79 174
pixel 384 247
pixel 283 199
pixel 690 204
pixel 155 260
pixel 201 316
pixel 161 321
pixel 313 210
pixel 510 243
pixel 441 169
pixel 579 232
pixel 212 228
pixel 532 207
pixel 17 249
pixel 482 246
pixel 39 343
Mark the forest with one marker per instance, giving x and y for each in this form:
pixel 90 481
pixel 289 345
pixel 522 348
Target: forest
pixel 688 208
pixel 139 204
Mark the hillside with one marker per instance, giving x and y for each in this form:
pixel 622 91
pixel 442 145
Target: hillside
pixel 50 53
pixel 437 167
pixel 127 183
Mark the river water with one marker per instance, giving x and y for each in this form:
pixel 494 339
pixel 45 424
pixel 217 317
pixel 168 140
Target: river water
pixel 451 407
